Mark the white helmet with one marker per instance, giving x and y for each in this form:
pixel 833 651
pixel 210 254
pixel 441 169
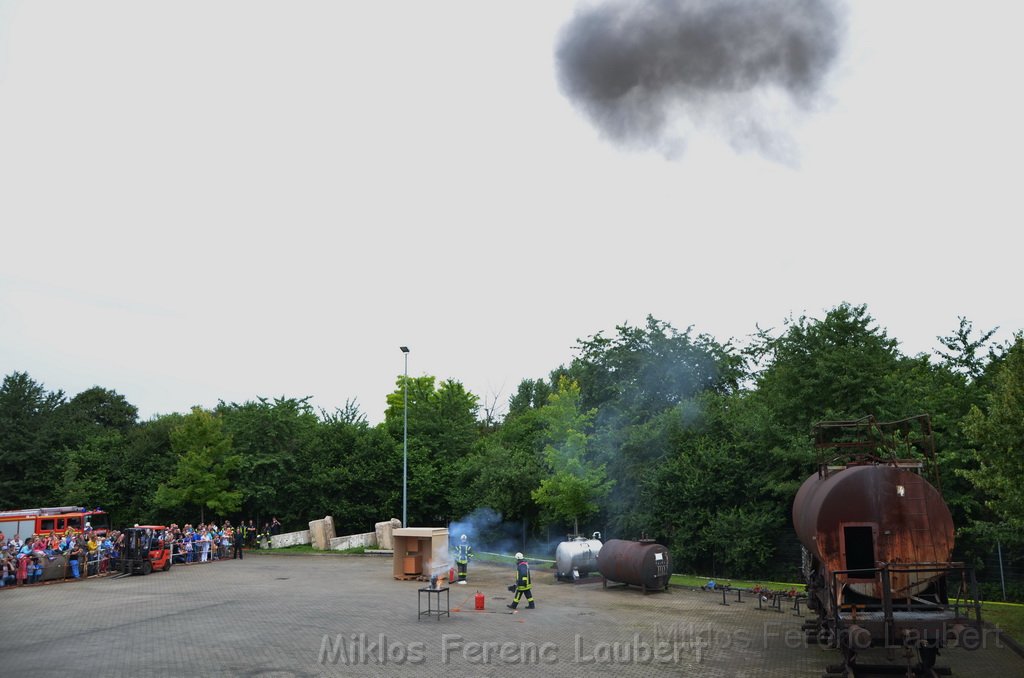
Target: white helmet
pixel 463 537
pixel 519 556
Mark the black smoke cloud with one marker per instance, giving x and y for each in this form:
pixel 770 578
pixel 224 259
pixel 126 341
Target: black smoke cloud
pixel 650 73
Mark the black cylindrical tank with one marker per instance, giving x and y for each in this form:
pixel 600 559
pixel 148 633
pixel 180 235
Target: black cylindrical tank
pixel 640 563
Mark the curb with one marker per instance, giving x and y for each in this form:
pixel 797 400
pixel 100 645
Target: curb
pixel 1002 635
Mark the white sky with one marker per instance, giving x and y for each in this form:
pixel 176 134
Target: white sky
pixel 225 200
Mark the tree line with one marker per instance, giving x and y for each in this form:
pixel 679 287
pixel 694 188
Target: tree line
pixel 648 430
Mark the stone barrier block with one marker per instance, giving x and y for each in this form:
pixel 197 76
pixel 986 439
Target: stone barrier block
pixel 351 541
pixel 385 533
pixel 321 532
pixel 290 539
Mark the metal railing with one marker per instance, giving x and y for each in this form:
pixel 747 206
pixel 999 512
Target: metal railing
pixel 42 567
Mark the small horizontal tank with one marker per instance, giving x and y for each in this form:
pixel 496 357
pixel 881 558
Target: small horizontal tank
pixel 642 563
pixel 577 557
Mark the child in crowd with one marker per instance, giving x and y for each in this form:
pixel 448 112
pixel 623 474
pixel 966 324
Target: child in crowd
pixel 73 556
pixel 35 570
pixel 22 569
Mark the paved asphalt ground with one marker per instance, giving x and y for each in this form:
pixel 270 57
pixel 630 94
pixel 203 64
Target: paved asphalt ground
pixel 278 615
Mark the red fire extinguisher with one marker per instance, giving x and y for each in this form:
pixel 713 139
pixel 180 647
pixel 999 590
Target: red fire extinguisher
pixel 451 576
pixel 479 600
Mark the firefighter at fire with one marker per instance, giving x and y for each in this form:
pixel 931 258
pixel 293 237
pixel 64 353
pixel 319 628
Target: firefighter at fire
pixel 463 552
pixel 522 585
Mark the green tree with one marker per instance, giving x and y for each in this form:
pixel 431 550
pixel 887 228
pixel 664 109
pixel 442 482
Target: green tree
pixel 352 472
pixel 833 368
pixel 531 394
pixel 922 385
pixel 268 436
pixel 740 538
pixel 643 371
pixel 504 468
pixel 997 431
pixel 91 471
pixel 27 459
pixel 443 430
pixel 716 475
pixel 635 379
pixel 501 478
pixel 89 435
pixel 963 352
pixel 205 462
pixel 93 411
pixel 574 487
pixel 146 459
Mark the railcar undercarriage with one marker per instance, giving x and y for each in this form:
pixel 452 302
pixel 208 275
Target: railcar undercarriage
pixel 912 629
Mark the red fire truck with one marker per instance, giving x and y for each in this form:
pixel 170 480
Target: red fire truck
pixel 59 519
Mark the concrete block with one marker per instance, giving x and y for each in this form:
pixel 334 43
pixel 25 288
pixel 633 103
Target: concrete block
pixel 320 536
pixel 385 533
pixel 290 539
pixel 351 541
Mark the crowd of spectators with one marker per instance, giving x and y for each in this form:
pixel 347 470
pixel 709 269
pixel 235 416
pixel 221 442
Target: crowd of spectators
pixel 24 561
pixel 205 543
pixel 80 554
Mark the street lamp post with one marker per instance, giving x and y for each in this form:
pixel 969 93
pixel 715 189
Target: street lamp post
pixel 405 441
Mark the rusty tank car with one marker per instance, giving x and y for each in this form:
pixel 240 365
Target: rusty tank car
pixel 878 540
pixel 643 563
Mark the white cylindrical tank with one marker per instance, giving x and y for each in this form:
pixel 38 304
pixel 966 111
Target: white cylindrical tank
pixel 577 557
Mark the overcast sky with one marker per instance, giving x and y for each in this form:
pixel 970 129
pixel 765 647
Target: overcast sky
pixel 225 200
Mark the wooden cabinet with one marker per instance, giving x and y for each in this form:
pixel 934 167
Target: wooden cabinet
pixel 421 552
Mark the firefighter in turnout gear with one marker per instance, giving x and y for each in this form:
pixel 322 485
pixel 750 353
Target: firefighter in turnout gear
pixel 522 585
pixel 463 552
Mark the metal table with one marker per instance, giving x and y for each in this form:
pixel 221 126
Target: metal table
pixel 433 608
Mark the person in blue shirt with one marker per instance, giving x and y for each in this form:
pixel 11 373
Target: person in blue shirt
pixel 35 570
pixel 73 560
